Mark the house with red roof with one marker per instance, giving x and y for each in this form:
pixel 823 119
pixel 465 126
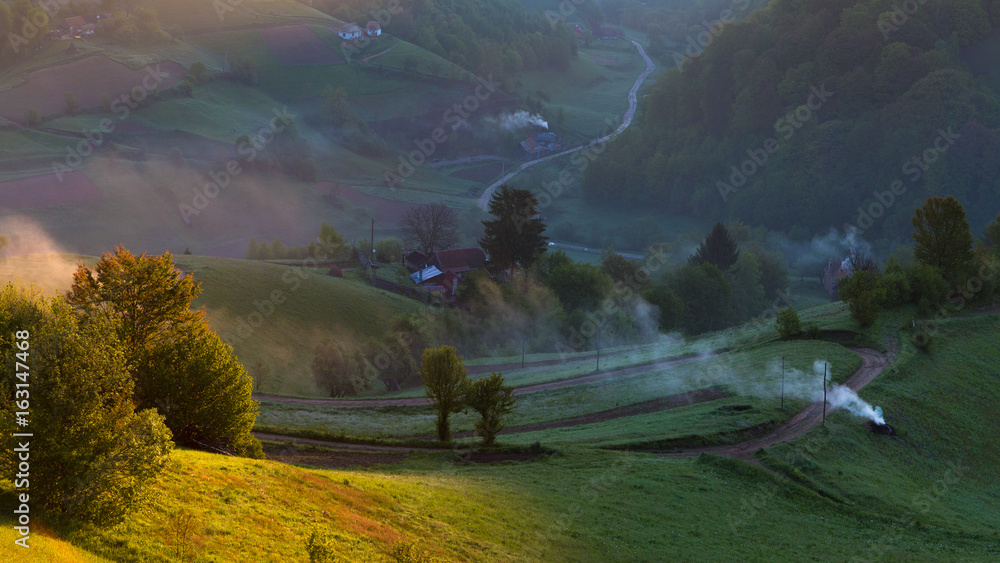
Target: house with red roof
pixel 443 270
pixel 373 29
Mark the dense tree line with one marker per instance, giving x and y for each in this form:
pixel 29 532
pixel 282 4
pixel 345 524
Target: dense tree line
pixel 483 36
pixel 732 133
pixel 948 272
pixel 110 376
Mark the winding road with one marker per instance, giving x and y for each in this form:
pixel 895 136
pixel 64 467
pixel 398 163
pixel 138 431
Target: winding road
pixel 633 102
pixel 873 364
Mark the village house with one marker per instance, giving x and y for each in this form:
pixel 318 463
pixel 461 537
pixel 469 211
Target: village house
pixel 373 29
pixel 350 31
pixel 443 270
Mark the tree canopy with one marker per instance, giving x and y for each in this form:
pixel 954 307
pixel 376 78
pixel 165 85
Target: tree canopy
pixel 179 366
pixel 514 236
pixel 943 238
pixel 718 249
pixel 444 375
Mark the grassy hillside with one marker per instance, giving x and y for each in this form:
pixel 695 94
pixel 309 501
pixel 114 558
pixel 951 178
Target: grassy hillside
pixel 313 306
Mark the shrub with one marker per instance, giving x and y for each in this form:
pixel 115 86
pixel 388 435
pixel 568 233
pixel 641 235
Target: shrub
pixel 493 400
pixel 812 330
pixel 72 104
pixel 444 375
pixel 788 323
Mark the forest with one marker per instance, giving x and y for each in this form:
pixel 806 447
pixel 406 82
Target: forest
pixel 902 109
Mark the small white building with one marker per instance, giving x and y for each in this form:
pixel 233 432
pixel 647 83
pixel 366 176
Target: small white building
pixel 374 29
pixel 350 31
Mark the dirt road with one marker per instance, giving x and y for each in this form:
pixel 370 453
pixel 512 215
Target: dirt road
pixel 633 101
pixel 873 363
pixel 418 401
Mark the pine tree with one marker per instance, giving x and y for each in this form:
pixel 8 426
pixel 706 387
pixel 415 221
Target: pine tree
pixel 718 249
pixel 514 238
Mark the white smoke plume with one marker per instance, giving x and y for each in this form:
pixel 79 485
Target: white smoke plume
pixel 519 120
pixel 800 384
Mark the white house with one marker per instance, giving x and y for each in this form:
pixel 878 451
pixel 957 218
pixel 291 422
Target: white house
pixel 374 29
pixel 350 31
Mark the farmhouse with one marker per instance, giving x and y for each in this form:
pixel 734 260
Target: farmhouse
pixel 373 29
pixel 832 274
pixel 538 142
pixel 350 31
pixel 442 271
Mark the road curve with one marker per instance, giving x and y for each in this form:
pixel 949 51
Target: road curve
pixel 633 102
pixel 873 363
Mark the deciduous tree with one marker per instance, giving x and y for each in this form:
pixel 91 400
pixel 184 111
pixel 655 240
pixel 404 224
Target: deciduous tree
pixel 179 366
pixel 430 227
pixel 943 237
pixel 93 455
pixel 493 400
pixel 444 375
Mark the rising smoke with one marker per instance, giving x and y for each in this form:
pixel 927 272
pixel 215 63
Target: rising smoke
pixel 518 120
pixel 798 384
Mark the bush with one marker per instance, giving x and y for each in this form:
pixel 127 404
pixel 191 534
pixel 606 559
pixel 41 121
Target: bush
pixel 788 323
pixel 493 400
pixel 72 104
pixel 179 366
pixel 812 330
pixel 93 456
pixel 443 373
pixel 34 118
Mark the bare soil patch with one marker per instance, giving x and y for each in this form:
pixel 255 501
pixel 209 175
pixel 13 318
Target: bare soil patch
pixel 298 45
pixel 330 458
pixel 47 191
pixel 492 457
pixel 88 79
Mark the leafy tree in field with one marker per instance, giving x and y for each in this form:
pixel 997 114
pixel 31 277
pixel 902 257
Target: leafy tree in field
pixel 670 305
pixel 337 108
pixel 93 456
pixel 943 238
pixel 389 250
pixel 993 233
pixel 34 117
pixel 865 296
pixel 493 400
pixel 579 285
pixel 179 366
pixel 430 227
pixel 199 72
pixel 3 243
pixel 748 293
pixel 788 323
pixel 336 369
pixel 444 375
pixel 623 270
pixel 72 104
pixel 330 243
pixel 514 237
pixel 718 248
pixel 707 298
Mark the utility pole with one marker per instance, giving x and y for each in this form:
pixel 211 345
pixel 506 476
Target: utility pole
pixel 598 348
pixel 824 394
pixel 783 383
